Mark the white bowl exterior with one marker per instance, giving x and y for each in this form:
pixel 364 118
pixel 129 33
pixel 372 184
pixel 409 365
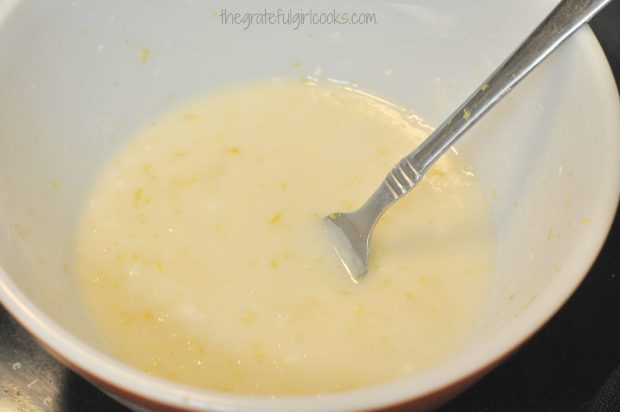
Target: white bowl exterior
pixel 77 77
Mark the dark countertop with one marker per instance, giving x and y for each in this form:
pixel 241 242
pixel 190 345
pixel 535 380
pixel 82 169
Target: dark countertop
pixel 561 369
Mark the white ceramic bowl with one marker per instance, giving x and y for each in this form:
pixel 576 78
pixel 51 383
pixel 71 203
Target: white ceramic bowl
pixel 77 77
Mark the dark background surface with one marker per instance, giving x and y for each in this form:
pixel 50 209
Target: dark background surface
pixel 561 369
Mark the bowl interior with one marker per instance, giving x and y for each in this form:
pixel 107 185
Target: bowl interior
pixel 76 78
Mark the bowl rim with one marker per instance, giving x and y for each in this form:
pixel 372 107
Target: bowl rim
pixel 121 378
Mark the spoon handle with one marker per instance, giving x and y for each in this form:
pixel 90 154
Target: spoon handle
pixel 565 19
pixel 352 231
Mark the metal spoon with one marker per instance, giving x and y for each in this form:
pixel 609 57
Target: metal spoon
pixel 351 232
